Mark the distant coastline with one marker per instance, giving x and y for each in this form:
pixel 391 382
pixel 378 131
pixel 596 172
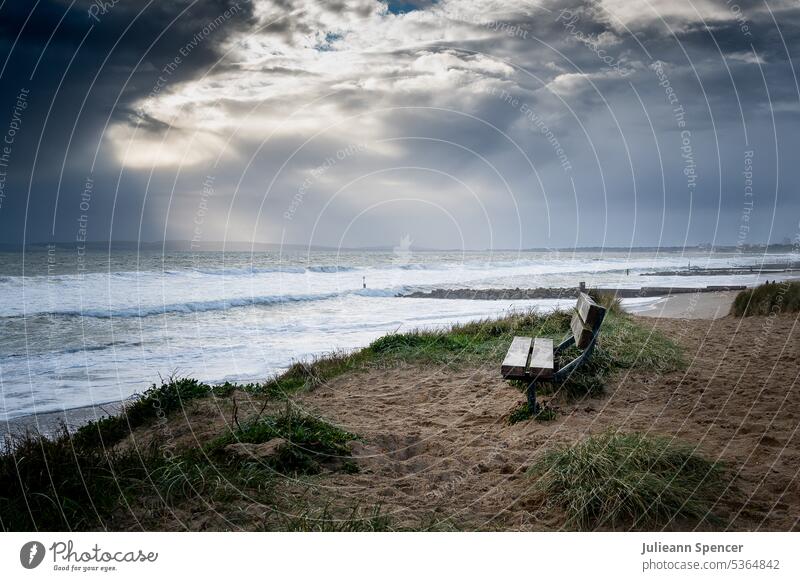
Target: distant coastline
pixel 516 294
pixel 244 246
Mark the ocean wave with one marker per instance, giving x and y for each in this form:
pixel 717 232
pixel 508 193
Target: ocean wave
pixel 414 266
pixel 193 306
pixel 378 292
pixel 251 270
pixel 248 271
pixel 218 304
pixel 331 268
pixel 559 266
pixel 139 275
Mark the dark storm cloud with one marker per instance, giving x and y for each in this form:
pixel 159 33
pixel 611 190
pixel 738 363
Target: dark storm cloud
pixel 558 110
pixel 82 73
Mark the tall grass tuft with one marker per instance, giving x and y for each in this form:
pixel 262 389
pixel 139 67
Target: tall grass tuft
pixel 311 442
pixel 158 401
pixel 628 480
pixel 769 298
pixel 46 484
pixel 312 373
pixel 325 520
pixel 609 301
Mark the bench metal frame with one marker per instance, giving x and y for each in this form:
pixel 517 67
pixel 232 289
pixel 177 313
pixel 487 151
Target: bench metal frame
pixel 563 373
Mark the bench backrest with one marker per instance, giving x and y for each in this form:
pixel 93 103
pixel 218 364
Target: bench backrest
pixel 586 321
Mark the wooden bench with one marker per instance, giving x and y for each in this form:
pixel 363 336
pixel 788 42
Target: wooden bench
pixel 532 359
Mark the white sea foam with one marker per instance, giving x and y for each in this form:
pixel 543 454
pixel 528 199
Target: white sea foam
pixel 72 340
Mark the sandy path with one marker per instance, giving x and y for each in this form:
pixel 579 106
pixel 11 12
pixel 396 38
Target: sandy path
pixel 437 441
pixel 691 306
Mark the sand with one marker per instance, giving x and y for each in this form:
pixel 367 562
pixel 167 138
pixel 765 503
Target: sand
pixel 691 306
pixel 437 442
pixel 701 305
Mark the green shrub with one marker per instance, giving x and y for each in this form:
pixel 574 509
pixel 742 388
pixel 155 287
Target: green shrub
pixel 782 297
pixel 46 484
pixel 311 442
pixel 158 401
pixel 523 412
pixel 618 480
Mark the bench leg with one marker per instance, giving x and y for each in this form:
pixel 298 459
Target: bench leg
pixel 533 405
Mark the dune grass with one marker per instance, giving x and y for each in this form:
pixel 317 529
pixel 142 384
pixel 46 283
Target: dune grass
pixel 81 481
pixel 157 401
pixel 51 484
pixel 611 302
pixel 46 485
pixel 623 343
pixel 769 298
pixel 628 481
pixel 311 442
pixel 326 520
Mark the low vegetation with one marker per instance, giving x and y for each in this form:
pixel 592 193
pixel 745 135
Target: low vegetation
pixel 324 520
pixel 310 442
pixel 51 484
pixel 623 344
pixel 158 401
pixel 523 412
pixel 47 485
pixel 628 481
pixel 768 299
pixel 100 476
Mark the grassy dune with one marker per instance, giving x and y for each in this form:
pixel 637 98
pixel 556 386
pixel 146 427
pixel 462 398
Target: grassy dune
pixel 768 299
pixel 97 477
pixel 619 480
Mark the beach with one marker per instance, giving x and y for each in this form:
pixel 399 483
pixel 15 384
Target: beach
pixel 693 306
pixel 419 423
pixel 440 440
pixel 76 339
pixel 435 442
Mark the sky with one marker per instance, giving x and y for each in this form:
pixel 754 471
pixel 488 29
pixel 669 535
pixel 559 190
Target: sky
pixel 454 124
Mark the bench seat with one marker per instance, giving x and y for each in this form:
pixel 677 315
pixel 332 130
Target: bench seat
pixel 532 359
pixel 528 359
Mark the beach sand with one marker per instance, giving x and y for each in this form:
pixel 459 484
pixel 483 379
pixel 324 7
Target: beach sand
pixel 691 306
pixel 438 442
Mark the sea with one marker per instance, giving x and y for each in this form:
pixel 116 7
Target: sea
pixel 104 326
